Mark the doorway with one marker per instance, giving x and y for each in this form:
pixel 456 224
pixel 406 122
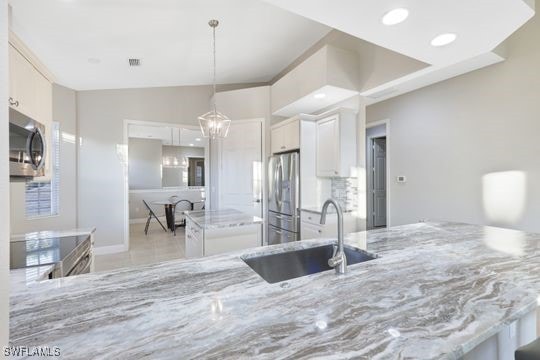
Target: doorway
pixel 377 176
pixel 161 160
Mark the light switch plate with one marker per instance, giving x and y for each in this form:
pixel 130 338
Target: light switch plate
pixel 401 179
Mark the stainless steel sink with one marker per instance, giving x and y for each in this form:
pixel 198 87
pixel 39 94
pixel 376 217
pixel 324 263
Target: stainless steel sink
pixel 292 264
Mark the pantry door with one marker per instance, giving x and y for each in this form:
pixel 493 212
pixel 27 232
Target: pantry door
pixel 240 174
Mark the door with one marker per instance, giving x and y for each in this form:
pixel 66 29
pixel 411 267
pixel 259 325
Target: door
pixel 196 172
pixel 273 181
pixel 280 236
pixel 328 147
pixel 379 182
pixel 288 183
pixel 240 168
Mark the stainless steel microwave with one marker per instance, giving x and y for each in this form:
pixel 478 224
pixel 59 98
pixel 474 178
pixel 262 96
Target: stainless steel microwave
pixel 27 146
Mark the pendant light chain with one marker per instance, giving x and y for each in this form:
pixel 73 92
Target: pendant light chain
pixel 214 52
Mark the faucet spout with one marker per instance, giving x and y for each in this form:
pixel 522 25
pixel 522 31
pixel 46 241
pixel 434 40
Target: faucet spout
pixel 339 260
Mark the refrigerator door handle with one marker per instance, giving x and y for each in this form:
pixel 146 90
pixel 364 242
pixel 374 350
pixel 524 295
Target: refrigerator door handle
pixel 280 184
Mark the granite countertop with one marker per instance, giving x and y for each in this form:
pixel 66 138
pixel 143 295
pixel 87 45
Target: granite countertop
pixel 435 291
pixel 224 218
pixel 25 276
pixel 39 235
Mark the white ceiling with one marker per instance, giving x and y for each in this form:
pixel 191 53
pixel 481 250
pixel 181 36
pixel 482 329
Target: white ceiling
pixel 255 40
pixel 480 25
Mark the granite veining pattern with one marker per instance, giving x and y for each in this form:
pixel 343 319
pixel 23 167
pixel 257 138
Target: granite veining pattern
pixel 48 234
pixel 435 291
pixel 223 218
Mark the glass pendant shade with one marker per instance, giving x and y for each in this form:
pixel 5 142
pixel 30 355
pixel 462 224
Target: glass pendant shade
pixel 214 124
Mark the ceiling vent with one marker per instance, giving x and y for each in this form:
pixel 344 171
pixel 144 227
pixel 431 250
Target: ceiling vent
pixel 134 62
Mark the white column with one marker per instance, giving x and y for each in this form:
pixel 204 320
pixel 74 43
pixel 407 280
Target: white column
pixel 4 176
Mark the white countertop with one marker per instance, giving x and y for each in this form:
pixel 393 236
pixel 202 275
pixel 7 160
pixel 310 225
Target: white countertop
pixel 223 218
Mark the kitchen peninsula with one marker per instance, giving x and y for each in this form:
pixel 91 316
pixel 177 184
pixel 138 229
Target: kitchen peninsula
pixel 435 291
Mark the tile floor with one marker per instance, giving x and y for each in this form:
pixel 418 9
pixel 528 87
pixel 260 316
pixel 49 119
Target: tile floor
pixel 157 246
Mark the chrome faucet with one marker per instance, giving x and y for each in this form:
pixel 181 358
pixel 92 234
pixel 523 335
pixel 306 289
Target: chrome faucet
pixel 338 260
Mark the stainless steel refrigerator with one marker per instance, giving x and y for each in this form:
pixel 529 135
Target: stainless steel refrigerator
pixel 284 198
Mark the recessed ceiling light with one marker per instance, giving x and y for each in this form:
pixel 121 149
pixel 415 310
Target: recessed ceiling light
pixel 94 61
pixel 443 39
pixel 319 96
pixel 395 16
pixel 198 139
pixel 191 145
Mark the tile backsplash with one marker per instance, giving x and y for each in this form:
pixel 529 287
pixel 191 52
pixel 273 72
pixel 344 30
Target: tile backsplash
pixel 345 192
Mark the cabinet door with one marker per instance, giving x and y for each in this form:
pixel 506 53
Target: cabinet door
pixel 22 83
pixel 291 135
pixel 194 241
pixel 328 146
pixel 310 231
pixel 277 140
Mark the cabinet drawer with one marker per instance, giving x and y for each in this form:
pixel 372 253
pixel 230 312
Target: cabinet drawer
pixel 310 231
pixel 282 221
pixel 313 218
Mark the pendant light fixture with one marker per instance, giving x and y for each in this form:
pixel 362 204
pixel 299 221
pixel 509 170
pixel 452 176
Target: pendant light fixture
pixel 214 124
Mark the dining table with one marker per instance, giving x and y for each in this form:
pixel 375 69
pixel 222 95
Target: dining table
pixel 170 211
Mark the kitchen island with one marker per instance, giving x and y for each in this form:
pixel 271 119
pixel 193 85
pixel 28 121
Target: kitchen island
pixel 212 232
pixel 435 291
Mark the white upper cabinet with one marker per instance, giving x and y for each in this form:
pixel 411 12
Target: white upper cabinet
pixel 30 92
pixel 23 95
pixel 285 136
pixel 336 144
pixel 328 156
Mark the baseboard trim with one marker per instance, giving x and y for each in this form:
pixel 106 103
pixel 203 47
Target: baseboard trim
pixel 112 249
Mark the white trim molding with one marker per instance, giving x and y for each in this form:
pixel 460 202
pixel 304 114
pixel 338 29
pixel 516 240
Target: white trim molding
pixel 369 125
pixel 112 249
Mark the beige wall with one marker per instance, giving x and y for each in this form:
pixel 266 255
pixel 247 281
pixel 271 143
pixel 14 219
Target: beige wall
pixel 4 177
pixel 446 137
pixel 64 112
pixel 101 115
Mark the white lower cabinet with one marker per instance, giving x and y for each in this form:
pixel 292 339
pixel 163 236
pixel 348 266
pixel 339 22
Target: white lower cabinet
pixel 194 240
pixel 311 228
pixel 206 242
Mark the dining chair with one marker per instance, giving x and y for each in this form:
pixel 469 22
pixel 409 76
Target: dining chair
pixel 182 205
pixel 151 214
